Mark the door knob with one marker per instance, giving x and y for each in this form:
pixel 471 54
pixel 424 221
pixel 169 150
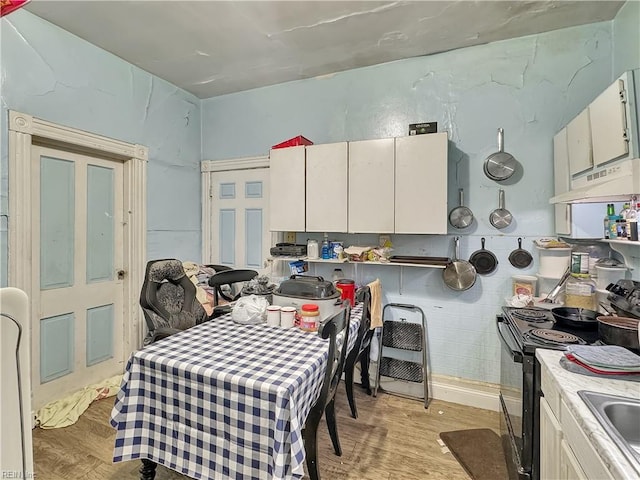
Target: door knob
pixel 121 274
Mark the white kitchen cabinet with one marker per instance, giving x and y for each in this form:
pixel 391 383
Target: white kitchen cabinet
pixel 570 468
pixel 421 184
pixel 371 186
pixel 561 181
pixel 579 143
pixel 566 452
pixel 550 438
pixel 287 183
pixel 608 123
pixel 577 220
pixel 326 187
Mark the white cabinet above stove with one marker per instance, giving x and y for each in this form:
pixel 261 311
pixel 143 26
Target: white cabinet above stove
pixel 602 146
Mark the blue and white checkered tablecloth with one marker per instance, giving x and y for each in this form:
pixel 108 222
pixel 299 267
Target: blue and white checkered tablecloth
pixel 223 400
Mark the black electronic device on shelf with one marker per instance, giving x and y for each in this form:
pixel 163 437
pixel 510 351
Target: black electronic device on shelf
pixel 288 250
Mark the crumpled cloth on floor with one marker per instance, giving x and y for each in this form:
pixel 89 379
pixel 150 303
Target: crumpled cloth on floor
pixel 376 303
pixel 67 411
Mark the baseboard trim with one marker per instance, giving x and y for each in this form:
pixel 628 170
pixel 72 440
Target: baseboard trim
pixel 465 392
pixel 442 387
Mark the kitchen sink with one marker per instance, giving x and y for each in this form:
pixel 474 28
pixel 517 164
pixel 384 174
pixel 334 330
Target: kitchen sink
pixel 620 417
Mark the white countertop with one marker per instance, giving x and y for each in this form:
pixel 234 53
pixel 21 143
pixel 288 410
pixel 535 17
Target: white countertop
pixel 569 384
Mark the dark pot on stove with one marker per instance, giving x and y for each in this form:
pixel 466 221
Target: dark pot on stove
pixel 622 331
pixel 576 317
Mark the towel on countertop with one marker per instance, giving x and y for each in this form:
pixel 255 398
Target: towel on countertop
pixel 376 303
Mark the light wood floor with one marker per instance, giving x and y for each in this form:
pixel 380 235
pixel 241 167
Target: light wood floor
pixel 394 438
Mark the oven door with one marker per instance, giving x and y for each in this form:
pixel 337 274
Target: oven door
pixel 516 403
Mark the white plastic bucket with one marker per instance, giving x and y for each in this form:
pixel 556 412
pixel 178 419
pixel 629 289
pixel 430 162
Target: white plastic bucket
pixel 607 275
pixel 553 261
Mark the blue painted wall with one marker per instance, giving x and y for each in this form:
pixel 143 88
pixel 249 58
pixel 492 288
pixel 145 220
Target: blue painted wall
pixel 52 74
pixel 530 86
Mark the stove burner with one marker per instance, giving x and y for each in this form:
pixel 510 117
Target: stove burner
pixel 530 315
pixel 555 336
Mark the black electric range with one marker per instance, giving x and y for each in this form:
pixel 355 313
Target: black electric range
pixel 521 331
pixel 536 328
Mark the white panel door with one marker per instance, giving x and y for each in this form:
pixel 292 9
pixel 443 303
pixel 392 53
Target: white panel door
pixel 607 117
pixel 371 186
pixel 326 179
pixel 240 235
pixel 287 180
pixel 579 143
pixel 421 184
pixel 77 259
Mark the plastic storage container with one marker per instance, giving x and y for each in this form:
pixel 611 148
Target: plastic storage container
pixel 524 284
pixel 309 317
pixel 553 261
pixel 580 292
pixel 607 275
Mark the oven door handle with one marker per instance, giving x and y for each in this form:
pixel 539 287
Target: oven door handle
pixel 516 355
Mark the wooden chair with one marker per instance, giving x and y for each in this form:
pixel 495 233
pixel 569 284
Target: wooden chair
pixel 360 350
pixel 336 329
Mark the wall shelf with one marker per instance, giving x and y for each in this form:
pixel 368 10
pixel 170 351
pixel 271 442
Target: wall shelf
pixel 626 248
pixel 333 260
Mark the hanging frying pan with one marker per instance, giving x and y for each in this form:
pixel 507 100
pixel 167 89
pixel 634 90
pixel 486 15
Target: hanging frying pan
pixel 483 260
pixel 499 165
pixel 520 258
pixel 461 216
pixel 459 274
pixel 501 217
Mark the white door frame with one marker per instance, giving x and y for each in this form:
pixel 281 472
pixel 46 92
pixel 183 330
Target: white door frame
pixel 24 131
pixel 208 166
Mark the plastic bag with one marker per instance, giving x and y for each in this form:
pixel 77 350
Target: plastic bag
pixel 250 310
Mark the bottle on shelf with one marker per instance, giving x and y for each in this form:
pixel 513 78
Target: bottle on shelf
pixel 607 220
pixel 325 252
pixel 337 275
pixel 625 211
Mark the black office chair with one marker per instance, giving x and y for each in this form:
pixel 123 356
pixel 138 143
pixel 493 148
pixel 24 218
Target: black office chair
pixel 332 328
pixel 168 300
pixel 360 350
pixel 230 279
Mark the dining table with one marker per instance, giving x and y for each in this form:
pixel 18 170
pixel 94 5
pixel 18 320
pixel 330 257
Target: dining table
pixel 222 400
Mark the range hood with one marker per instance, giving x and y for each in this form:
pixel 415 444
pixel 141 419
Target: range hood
pixel 616 183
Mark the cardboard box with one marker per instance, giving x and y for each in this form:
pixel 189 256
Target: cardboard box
pixel 294 142
pixel 421 128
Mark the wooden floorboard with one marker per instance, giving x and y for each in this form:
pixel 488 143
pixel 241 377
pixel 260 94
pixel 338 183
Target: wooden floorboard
pixel 394 438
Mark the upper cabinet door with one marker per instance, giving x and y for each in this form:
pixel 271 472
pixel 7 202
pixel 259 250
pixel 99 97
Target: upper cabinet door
pixel 327 178
pixel 421 184
pixel 607 116
pixel 561 181
pixel 579 143
pixel 371 186
pixel 287 181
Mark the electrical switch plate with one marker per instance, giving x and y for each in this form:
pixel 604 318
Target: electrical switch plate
pixel 290 237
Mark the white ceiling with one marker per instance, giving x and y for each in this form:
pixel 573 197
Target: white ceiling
pixel 212 48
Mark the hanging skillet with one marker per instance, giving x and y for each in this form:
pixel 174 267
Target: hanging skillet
pixel 499 165
pixel 500 217
pixel 461 216
pixel 520 258
pixel 459 274
pixel 483 260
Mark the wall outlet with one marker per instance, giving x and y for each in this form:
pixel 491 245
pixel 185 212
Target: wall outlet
pixel 290 237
